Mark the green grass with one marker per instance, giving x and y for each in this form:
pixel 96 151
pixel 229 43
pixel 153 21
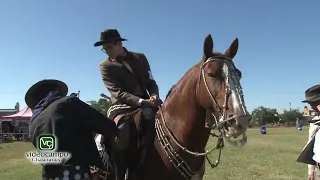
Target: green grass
pixel 265 157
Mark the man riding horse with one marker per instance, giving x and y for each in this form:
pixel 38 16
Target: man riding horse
pixel 128 78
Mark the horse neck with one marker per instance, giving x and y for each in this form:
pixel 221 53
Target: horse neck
pixel 184 116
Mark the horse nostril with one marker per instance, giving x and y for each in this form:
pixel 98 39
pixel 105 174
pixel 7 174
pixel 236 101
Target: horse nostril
pixel 239 126
pixel 230 116
pixel 231 122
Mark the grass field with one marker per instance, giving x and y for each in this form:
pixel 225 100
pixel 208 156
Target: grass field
pixel 265 157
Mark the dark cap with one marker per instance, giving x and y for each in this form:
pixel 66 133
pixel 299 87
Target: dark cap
pixel 312 94
pixel 109 36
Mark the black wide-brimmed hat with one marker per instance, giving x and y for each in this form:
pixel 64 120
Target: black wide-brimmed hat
pixel 312 94
pixel 33 97
pixel 109 36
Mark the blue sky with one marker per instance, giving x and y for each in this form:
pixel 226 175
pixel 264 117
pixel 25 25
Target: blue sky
pixel 278 43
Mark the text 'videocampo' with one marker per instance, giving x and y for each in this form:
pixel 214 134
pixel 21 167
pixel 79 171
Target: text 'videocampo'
pixel 48 154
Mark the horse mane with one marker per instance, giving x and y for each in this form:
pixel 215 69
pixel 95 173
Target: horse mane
pixel 169 92
pixel 215 54
pixel 184 77
pixel 191 70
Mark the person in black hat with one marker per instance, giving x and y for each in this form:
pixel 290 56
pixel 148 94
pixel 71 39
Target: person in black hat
pixel 313 99
pixel 128 78
pixel 72 122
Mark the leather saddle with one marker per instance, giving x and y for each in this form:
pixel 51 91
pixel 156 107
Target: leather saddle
pixel 142 133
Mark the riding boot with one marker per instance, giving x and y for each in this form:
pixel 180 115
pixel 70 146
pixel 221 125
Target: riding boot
pixel 146 132
pixel 149 125
pixel 151 129
pixel 120 164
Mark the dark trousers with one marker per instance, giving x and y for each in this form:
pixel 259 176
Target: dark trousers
pixel 146 136
pixel 66 171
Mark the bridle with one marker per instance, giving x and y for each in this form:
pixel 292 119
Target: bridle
pixel 164 134
pixel 220 123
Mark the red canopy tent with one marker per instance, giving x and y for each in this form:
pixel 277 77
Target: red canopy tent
pixel 24 114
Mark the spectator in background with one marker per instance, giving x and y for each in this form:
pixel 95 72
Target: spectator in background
pixel 313 170
pixel 316 148
pixel 308 155
pixel 299 125
pixel 20 134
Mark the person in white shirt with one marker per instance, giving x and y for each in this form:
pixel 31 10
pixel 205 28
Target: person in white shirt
pixel 316 146
pixel 309 152
pixel 313 171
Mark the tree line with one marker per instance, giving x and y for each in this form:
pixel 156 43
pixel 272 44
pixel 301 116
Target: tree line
pixel 102 105
pixel 263 115
pixel 260 116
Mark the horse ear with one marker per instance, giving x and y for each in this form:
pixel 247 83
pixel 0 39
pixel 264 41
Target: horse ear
pixel 207 47
pixel 233 49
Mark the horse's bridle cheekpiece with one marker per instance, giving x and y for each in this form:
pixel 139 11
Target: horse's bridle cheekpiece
pixel 109 36
pixel 233 79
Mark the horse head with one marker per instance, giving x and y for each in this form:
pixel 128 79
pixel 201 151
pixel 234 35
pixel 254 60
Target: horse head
pixel 210 89
pixel 219 90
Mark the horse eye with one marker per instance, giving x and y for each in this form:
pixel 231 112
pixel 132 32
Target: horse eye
pixel 212 74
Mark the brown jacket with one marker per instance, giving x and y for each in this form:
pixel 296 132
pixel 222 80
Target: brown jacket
pixel 124 85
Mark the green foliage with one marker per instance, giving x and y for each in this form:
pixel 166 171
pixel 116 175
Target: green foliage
pixel 262 115
pixel 291 115
pixel 102 105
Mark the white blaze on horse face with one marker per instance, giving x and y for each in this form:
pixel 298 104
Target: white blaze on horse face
pixel 240 113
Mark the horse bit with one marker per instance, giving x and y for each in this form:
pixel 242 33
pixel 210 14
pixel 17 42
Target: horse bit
pixel 179 163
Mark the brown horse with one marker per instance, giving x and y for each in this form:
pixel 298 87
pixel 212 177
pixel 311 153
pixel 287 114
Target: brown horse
pixel 211 87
